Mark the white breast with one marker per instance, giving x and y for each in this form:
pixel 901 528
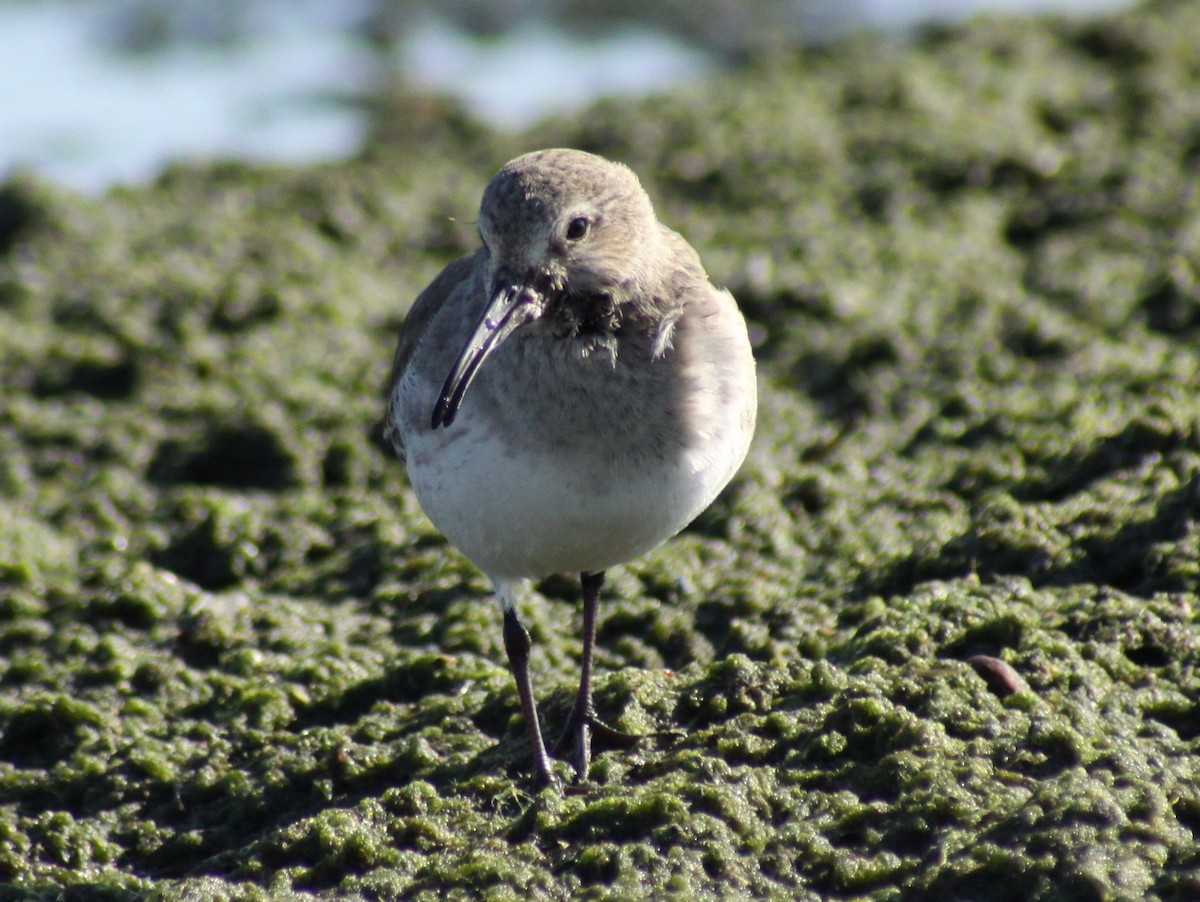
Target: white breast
pixel 575 465
pixel 520 514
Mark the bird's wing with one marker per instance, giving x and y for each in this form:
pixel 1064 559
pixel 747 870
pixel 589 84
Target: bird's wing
pixel 423 309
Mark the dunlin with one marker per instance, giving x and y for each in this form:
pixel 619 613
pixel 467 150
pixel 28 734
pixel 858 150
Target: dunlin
pixel 569 396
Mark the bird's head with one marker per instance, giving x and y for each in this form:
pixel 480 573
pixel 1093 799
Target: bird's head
pixel 569 238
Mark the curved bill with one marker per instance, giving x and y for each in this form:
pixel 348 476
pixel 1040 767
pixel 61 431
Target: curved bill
pixel 511 306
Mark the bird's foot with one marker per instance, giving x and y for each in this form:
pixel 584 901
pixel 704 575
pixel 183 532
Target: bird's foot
pixel 583 726
pixel 544 778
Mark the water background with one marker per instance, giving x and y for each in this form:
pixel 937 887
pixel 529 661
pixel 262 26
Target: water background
pixel 97 92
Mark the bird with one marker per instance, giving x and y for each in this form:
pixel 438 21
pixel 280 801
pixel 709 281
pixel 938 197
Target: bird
pixel 567 397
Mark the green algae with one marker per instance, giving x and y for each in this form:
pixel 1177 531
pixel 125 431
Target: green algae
pixel 236 661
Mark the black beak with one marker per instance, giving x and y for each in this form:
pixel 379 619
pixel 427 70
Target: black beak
pixel 512 305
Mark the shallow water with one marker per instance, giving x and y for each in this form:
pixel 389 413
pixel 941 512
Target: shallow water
pixel 101 93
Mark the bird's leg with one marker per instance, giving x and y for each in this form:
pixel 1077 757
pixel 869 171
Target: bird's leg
pixel 583 723
pixel 517 644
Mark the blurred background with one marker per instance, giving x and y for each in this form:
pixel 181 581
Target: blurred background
pixel 101 92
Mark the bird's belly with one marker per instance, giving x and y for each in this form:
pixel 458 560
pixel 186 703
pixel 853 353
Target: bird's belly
pixel 518 514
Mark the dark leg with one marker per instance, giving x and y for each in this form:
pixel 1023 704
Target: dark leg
pixel 583 723
pixel 517 644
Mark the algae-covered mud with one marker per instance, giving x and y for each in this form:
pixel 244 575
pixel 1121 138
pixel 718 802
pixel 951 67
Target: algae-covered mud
pixel 938 640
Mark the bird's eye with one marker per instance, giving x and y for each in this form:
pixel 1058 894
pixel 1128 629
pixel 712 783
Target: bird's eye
pixel 578 228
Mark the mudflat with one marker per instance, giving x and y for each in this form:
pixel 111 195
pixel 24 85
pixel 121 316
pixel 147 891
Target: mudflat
pixel 937 637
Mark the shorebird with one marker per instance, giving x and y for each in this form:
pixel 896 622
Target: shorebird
pixel 569 396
